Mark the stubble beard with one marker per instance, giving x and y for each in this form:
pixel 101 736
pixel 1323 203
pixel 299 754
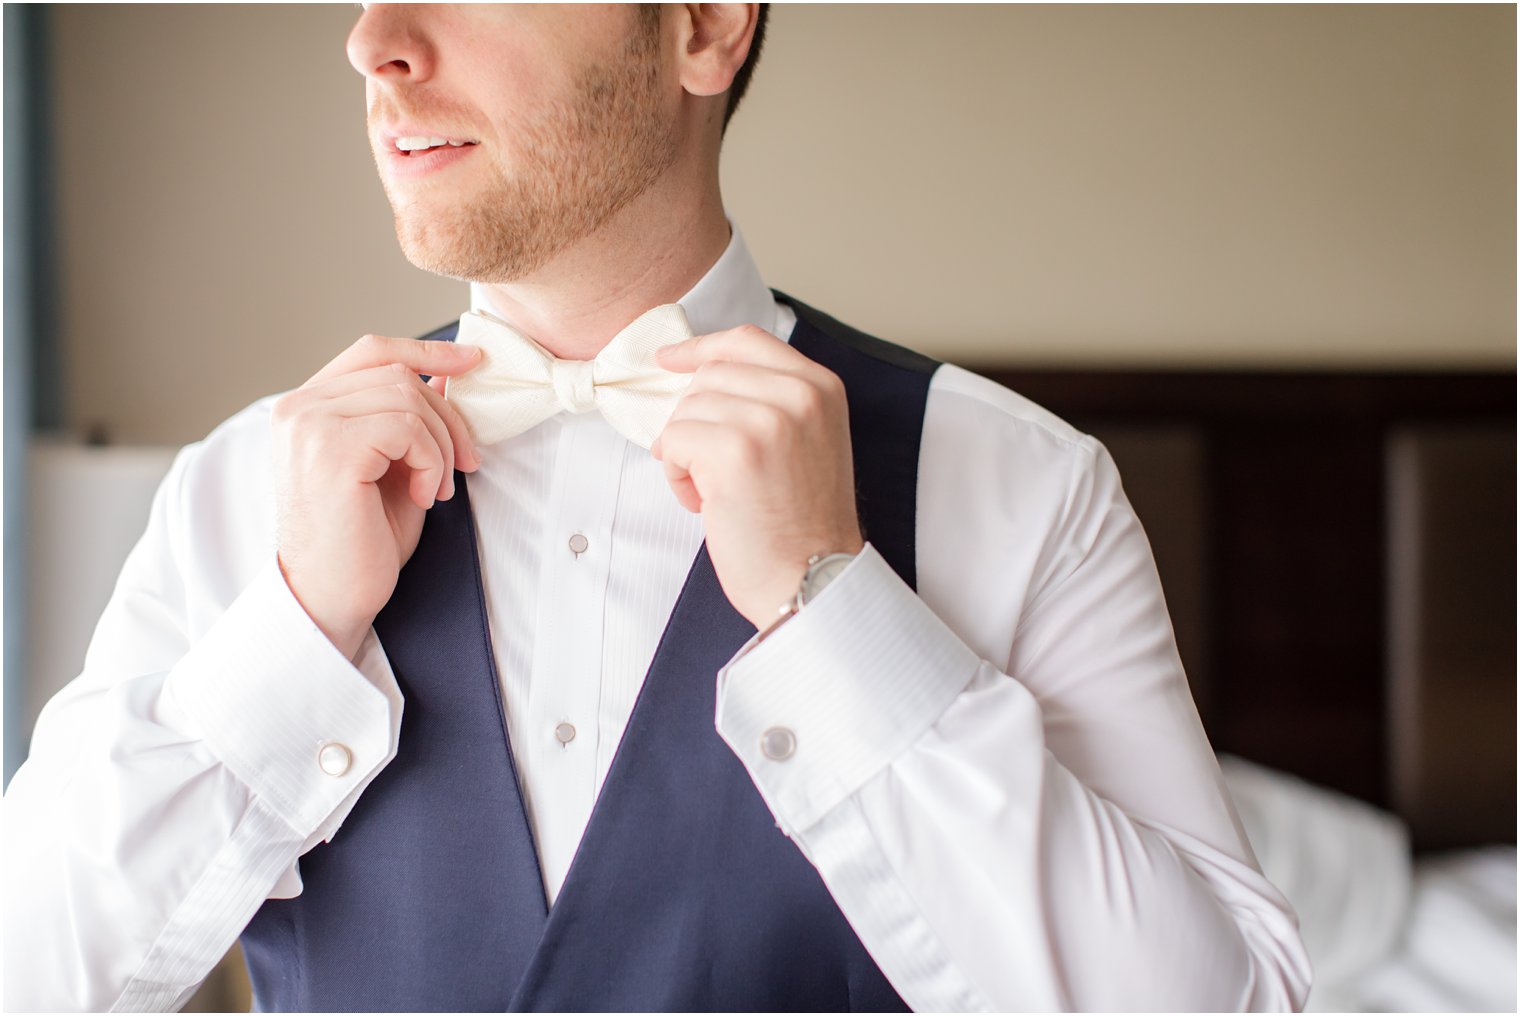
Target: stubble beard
pixel 581 163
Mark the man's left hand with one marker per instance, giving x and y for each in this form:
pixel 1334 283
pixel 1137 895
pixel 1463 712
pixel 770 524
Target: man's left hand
pixel 760 446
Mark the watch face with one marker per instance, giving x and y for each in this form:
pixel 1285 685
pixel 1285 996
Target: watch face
pixel 822 573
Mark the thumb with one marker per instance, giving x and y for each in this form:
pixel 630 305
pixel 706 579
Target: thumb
pixel 677 356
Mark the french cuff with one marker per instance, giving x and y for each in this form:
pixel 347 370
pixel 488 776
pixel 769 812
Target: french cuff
pixel 829 698
pixel 285 711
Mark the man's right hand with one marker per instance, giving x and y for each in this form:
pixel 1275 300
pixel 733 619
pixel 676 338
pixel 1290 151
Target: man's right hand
pixel 361 451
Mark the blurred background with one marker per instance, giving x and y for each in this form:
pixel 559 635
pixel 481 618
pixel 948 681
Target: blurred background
pixel 1267 254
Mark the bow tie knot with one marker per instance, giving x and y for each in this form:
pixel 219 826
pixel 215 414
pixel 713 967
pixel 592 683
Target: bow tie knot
pixel 574 385
pixel 518 384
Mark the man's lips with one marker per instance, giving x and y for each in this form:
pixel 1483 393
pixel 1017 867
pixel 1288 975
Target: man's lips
pixel 412 144
pixel 411 152
pixel 408 136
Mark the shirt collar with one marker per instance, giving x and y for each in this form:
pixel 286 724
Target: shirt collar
pixel 731 294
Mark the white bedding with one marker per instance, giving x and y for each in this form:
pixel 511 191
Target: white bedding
pixel 1385 933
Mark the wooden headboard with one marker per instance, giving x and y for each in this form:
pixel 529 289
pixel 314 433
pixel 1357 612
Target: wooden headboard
pixel 1338 552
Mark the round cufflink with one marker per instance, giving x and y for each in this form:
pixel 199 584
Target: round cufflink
pixel 778 744
pixel 334 759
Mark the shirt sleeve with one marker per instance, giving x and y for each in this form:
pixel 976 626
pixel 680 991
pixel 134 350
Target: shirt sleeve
pixel 1047 831
pixel 173 784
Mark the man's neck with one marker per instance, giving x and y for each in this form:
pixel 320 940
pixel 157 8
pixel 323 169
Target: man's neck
pixel 638 259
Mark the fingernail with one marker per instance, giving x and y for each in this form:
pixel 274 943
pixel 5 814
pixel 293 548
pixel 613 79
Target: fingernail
pixel 664 350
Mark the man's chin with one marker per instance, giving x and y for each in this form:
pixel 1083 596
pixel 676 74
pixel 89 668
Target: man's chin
pixel 454 254
pixel 430 260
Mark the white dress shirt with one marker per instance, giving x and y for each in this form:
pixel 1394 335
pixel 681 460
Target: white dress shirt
pixel 1001 778
pixel 572 663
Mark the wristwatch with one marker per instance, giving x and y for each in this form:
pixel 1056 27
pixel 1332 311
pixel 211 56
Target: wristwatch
pixel 821 570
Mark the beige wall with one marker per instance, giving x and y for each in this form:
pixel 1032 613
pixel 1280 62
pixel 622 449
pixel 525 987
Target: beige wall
pixel 1120 186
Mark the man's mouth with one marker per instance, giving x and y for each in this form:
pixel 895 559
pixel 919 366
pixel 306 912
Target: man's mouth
pixel 415 145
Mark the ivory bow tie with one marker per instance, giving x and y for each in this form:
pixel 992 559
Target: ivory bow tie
pixel 518 384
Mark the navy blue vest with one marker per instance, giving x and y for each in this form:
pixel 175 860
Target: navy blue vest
pixel 683 894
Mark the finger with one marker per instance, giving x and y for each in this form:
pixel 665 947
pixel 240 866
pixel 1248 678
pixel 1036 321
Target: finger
pixel 400 437
pixel 425 356
pixel 462 439
pixel 683 442
pixel 745 344
pixel 359 380
pixel 684 489
pixel 733 411
pixel 731 376
pixel 459 427
pixel 465 453
pixel 797 393
pixel 403 398
pixel 678 477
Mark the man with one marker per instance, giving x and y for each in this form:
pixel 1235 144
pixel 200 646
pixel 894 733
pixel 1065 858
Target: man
pixel 855 690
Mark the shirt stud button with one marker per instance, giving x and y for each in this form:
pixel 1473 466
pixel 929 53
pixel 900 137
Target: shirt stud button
pixel 334 758
pixel 778 744
pixel 564 733
pixel 578 544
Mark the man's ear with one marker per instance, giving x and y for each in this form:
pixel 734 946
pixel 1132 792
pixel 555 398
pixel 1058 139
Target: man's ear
pixel 714 40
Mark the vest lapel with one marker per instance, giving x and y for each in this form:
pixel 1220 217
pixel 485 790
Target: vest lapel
pixel 435 635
